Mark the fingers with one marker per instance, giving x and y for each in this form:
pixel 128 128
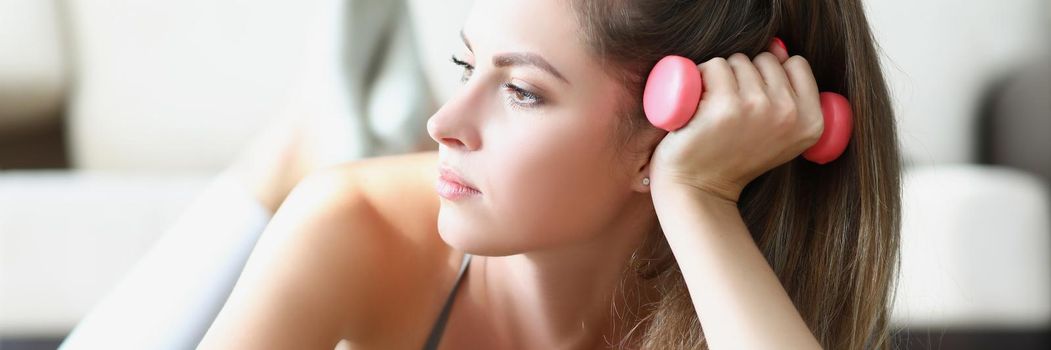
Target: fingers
pixel 771 79
pixel 770 65
pixel 754 77
pixel 774 74
pixel 718 77
pixel 804 85
pixel 771 73
pixel 787 82
pixel 749 82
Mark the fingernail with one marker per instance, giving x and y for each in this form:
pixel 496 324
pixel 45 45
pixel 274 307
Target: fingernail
pixel 780 43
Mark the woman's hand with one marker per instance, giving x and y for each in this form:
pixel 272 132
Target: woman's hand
pixel 753 116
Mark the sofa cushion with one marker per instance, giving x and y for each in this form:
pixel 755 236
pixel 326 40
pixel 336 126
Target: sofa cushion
pixel 67 238
pixel 975 249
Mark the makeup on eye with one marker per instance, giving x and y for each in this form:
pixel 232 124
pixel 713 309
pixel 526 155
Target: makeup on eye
pixel 522 97
pixel 517 96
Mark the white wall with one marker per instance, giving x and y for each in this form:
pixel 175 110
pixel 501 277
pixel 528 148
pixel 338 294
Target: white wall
pixel 179 84
pixel 939 55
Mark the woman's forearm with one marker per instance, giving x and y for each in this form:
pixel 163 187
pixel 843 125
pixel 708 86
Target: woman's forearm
pixel 738 298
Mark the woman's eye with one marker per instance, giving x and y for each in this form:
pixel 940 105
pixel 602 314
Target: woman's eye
pixel 517 97
pixel 520 97
pixel 467 68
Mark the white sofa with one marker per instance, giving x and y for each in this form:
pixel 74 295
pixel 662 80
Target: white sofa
pixel 161 95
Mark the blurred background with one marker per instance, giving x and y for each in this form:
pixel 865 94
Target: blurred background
pixel 115 115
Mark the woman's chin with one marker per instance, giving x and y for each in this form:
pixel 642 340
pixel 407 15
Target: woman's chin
pixel 474 244
pixel 474 241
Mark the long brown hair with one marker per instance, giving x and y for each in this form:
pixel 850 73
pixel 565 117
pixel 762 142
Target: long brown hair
pixel 831 231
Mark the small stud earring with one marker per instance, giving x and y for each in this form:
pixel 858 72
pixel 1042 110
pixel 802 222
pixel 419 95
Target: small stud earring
pixel 646 181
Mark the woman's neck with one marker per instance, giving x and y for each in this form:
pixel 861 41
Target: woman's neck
pixel 566 297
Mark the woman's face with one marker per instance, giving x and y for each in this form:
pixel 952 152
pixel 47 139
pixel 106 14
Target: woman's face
pixel 532 129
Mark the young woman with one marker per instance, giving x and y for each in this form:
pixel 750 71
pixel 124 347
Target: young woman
pixel 563 220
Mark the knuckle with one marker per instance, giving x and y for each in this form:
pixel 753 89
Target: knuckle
pixel 813 132
pixel 817 129
pixel 738 58
pixel 756 103
pixel 716 61
pixel 781 101
pixel 765 57
pixel 790 108
pixel 788 115
pixel 797 61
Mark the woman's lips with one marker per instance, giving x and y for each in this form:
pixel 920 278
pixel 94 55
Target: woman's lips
pixel 453 187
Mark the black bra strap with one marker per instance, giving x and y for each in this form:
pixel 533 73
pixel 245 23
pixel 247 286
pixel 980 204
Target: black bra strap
pixel 439 326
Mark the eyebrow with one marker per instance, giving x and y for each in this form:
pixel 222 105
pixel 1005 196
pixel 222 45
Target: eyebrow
pixel 520 59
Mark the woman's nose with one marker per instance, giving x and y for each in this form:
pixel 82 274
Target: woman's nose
pixel 454 127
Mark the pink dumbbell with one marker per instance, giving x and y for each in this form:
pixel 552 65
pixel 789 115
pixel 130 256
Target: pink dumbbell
pixel 673 91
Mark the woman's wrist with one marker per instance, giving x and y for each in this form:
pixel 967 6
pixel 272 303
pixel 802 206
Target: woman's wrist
pixel 683 210
pixel 708 196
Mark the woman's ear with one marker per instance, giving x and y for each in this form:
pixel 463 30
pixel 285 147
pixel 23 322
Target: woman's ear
pixel 646 143
pixel 641 179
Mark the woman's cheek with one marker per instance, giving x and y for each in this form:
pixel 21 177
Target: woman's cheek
pixel 546 185
pixel 546 174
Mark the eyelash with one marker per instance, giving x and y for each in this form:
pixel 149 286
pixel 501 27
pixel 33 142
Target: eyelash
pixel 514 90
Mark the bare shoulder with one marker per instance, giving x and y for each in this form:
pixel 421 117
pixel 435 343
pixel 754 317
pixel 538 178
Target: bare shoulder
pixel 353 253
pixel 411 267
pixel 396 186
